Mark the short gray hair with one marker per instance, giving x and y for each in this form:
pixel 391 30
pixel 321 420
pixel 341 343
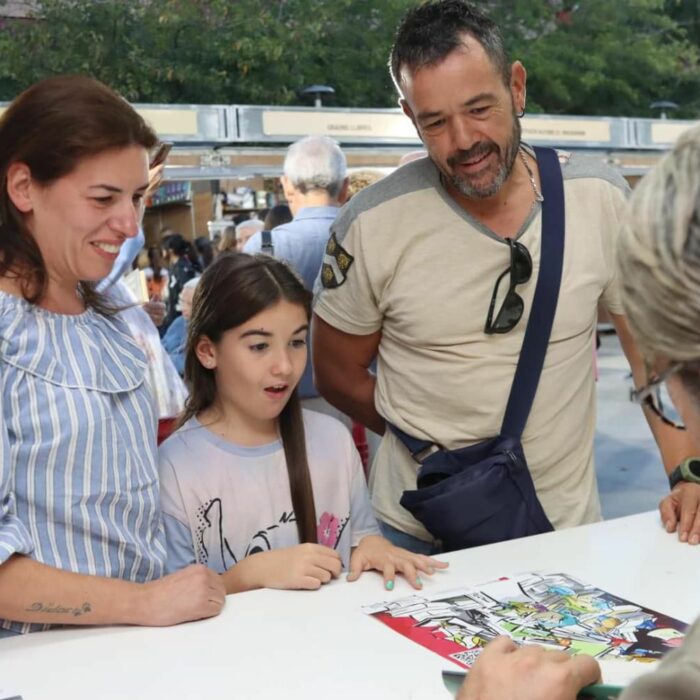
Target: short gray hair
pixel 191 283
pixel 659 255
pixel 255 224
pixel 316 163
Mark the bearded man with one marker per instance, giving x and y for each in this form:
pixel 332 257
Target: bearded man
pixel 433 271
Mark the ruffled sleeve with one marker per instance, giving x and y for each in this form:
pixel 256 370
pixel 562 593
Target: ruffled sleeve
pixel 88 350
pixel 14 536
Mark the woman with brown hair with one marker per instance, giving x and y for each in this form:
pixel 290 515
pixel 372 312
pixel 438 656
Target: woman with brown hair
pixel 81 537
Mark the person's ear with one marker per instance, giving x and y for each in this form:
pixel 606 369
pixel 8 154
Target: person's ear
pixel 206 352
pixel 343 194
pixel 518 87
pixel 19 187
pixel 288 188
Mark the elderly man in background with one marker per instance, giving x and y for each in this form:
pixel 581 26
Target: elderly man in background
pixel 175 339
pixel 315 183
pixel 246 230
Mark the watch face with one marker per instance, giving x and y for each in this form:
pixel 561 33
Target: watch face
pixel 694 467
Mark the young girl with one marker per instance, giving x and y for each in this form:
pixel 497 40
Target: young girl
pixel 252 486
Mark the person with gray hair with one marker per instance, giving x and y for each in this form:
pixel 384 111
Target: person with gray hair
pixel 246 230
pixel 314 163
pixel 175 339
pixel 659 262
pixel 315 184
pixel 659 258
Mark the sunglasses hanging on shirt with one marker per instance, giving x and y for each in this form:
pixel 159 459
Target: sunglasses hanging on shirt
pixel 511 310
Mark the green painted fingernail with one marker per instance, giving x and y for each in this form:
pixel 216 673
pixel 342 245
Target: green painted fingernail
pixel 389 585
pixel 419 582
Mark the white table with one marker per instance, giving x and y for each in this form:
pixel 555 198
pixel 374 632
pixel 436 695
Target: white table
pixel 288 644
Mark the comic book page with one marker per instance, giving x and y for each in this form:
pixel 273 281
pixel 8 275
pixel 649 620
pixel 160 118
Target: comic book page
pixel 550 609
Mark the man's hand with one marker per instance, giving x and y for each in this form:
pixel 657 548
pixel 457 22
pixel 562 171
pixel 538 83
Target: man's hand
pixel 193 593
pixel 375 552
pixel 505 671
pixel 680 510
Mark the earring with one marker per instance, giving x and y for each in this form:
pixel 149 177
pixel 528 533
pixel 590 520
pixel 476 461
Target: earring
pixel 521 113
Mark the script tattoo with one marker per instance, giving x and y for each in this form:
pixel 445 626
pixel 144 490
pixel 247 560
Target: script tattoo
pixel 62 609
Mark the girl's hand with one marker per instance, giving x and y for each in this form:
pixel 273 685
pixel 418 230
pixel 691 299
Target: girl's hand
pixel 305 566
pixel 375 552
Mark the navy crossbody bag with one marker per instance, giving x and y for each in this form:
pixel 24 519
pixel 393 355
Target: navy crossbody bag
pixel 484 493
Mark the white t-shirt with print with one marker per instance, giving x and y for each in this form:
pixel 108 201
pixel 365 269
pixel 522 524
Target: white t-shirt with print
pixel 222 502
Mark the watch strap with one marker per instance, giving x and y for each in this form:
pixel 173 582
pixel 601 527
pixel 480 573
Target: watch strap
pixel 688 470
pixel 675 477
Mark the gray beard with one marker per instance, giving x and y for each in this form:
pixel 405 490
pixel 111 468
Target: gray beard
pixel 472 192
pixel 463 185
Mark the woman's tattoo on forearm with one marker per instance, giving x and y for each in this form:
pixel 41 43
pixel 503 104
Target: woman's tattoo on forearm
pixel 39 607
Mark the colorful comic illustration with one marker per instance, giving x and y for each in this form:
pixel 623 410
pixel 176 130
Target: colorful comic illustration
pixel 550 609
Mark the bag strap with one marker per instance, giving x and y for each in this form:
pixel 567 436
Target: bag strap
pixel 544 303
pixel 420 449
pixel 266 245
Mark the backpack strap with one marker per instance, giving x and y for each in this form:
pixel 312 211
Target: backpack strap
pixel 266 245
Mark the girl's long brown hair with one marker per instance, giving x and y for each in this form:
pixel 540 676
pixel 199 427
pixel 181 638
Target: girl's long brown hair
pixel 51 127
pixel 233 289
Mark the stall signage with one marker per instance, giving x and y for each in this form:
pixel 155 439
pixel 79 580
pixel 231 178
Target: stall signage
pixel 565 130
pixel 360 125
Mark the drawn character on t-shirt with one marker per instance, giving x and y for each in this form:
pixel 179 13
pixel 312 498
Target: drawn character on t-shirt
pixel 330 530
pixel 210 518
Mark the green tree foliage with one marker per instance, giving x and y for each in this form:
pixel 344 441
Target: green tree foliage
pixel 589 57
pixel 208 51
pixel 606 58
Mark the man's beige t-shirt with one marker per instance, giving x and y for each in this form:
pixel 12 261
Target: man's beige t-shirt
pixel 408 260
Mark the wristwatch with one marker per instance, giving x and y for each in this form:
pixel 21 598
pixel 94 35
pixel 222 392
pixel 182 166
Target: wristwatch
pixel 687 470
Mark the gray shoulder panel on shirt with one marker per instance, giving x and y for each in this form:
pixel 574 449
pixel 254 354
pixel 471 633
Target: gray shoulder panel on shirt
pixel 582 166
pixel 412 177
pixel 421 174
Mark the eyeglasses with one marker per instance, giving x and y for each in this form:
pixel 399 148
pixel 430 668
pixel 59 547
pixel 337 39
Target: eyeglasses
pixel 511 310
pixel 650 395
